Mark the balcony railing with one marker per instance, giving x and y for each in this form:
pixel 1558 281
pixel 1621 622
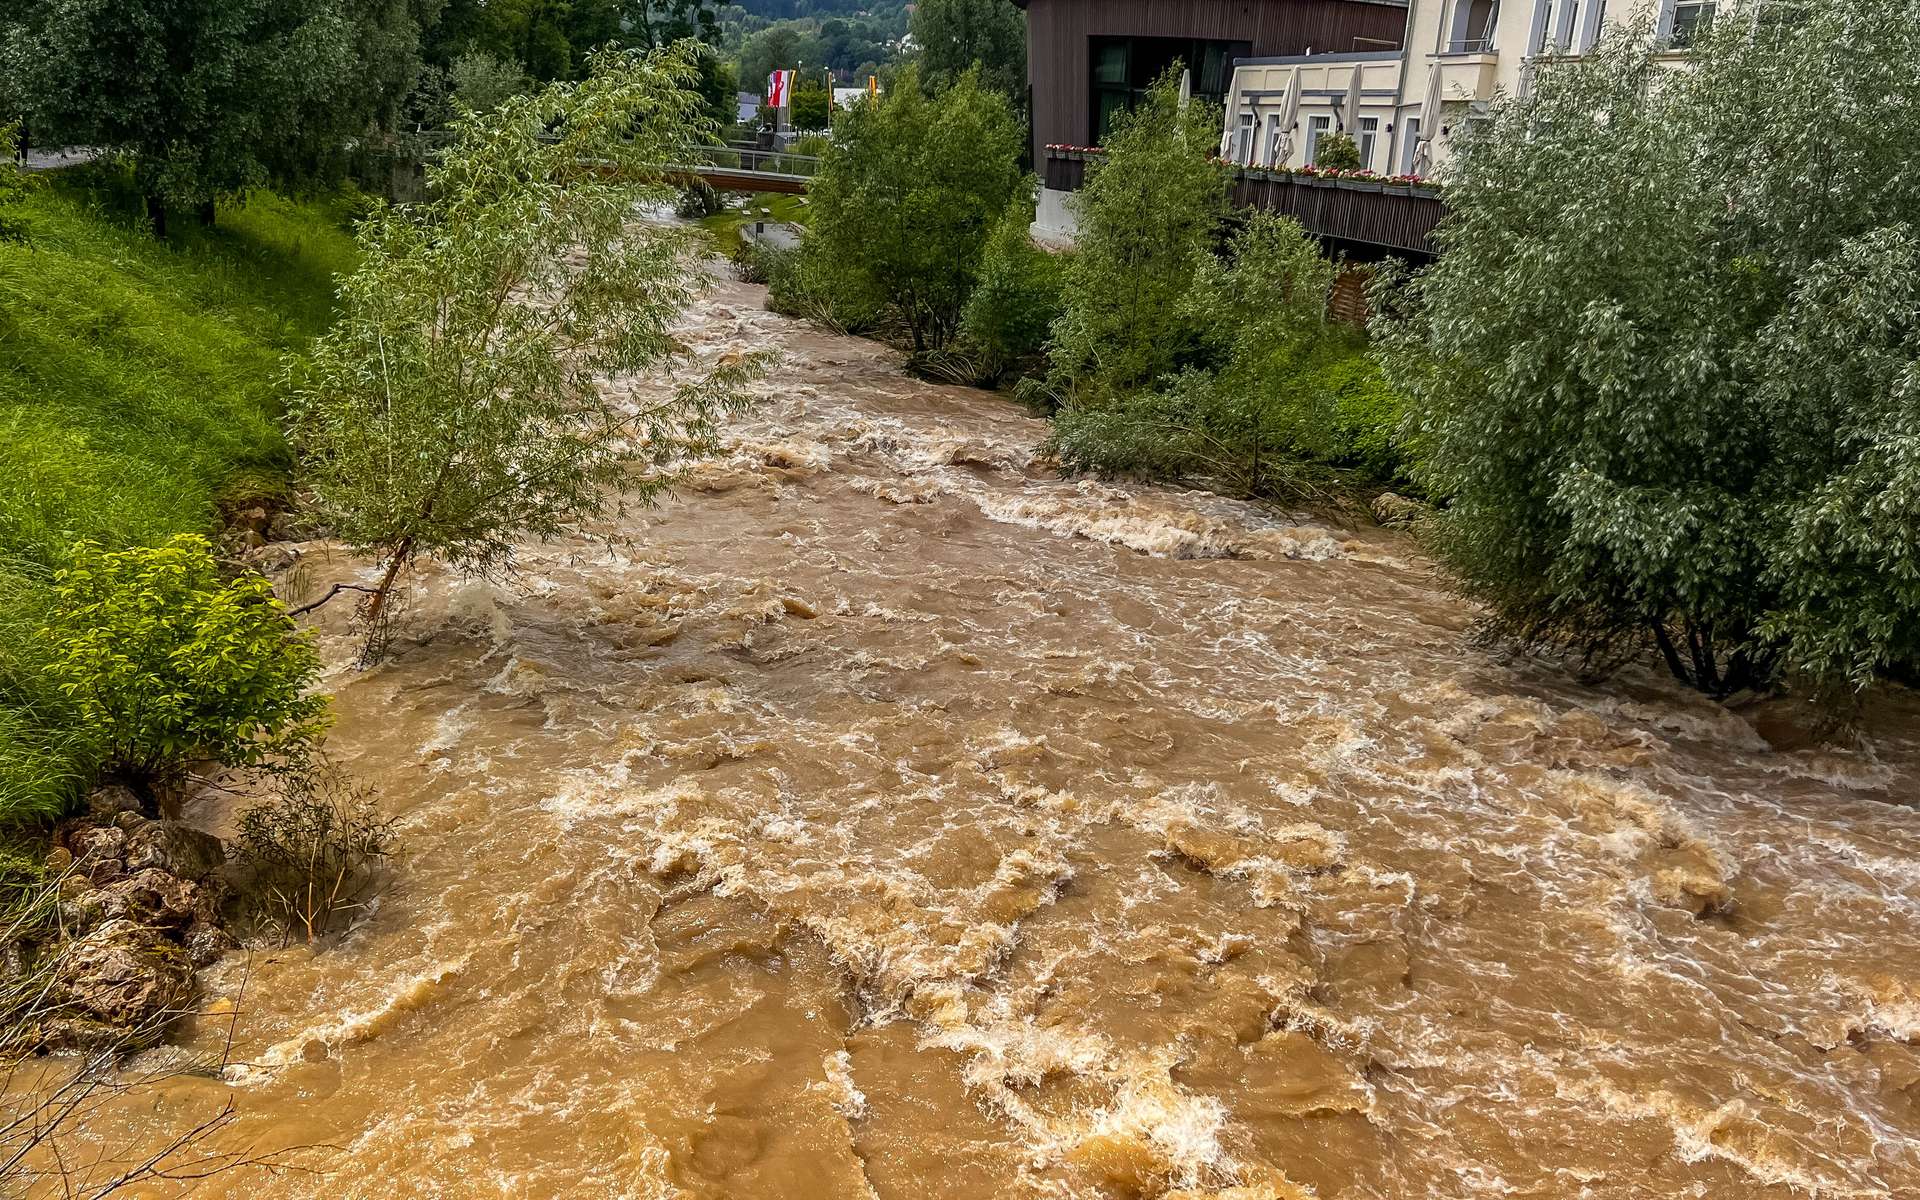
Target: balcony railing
pixel 1470 46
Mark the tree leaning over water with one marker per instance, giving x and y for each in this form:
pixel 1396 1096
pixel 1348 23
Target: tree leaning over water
pixel 458 405
pixel 1666 374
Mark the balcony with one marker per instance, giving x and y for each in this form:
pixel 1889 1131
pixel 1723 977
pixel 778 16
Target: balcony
pixel 1468 74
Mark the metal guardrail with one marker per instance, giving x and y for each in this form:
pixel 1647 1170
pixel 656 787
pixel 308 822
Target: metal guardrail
pixel 737 157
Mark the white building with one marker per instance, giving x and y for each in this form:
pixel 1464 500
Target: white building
pixel 1403 107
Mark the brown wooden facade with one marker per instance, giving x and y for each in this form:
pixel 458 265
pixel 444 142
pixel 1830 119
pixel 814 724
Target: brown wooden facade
pixel 1059 33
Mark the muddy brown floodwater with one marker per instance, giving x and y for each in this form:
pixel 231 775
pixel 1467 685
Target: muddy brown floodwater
pixel 893 818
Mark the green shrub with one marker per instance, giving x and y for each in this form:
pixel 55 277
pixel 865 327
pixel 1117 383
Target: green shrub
pixel 314 854
pixel 905 199
pixel 15 185
pixel 1149 216
pixel 1336 152
pixel 164 661
pixel 1018 298
pixel 698 200
pixel 1281 393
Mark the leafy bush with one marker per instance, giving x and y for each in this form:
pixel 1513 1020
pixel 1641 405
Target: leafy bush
pixel 1018 298
pixel 812 108
pixel 698 200
pixel 164 661
pixel 479 82
pixel 314 854
pixel 1336 152
pixel 1282 395
pixel 1678 416
pixel 906 197
pixel 1149 217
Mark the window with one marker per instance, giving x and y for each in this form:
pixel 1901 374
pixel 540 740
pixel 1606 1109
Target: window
pixel 1243 144
pixel 1409 144
pixel 1473 24
pixel 1690 17
pixel 1369 133
pixel 1122 69
pixel 1315 127
pixel 1273 140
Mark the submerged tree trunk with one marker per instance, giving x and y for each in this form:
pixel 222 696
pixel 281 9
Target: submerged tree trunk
pixel 377 603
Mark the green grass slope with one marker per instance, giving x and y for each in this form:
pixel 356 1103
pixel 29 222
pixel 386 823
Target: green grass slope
pixel 137 392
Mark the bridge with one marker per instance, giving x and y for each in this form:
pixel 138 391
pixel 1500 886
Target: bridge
pixel 739 167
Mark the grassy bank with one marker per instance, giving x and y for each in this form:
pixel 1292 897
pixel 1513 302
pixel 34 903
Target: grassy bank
pixel 137 395
pixel 725 227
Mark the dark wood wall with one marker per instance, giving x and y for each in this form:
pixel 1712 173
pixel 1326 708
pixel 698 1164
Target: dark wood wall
pixel 1057 33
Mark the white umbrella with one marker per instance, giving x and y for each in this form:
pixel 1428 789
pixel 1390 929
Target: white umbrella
pixel 1430 115
pixel 1350 112
pixel 1186 87
pixel 1289 117
pixel 1430 110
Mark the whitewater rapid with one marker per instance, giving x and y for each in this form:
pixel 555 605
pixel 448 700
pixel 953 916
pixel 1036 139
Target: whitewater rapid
pixel 887 816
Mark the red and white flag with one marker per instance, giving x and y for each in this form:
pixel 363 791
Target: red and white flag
pixel 779 88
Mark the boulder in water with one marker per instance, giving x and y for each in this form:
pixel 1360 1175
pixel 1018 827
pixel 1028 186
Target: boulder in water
pixel 125 975
pixel 175 848
pixel 1396 511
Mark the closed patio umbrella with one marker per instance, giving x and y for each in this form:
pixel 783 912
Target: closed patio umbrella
pixel 1289 117
pixel 1430 112
pixel 1350 111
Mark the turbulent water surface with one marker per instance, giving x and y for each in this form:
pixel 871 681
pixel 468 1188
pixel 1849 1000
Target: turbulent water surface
pixel 888 817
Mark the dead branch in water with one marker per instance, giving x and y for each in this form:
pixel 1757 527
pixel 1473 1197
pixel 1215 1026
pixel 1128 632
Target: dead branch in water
pixel 333 591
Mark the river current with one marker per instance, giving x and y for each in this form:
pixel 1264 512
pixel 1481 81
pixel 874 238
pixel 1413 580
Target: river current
pixel 886 816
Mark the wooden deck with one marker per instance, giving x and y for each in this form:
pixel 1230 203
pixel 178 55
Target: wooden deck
pixel 1374 217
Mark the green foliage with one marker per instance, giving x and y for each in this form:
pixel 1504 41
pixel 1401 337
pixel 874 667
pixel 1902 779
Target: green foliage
pixel 1018 298
pixel 957 35
pixel 1282 393
pixel 906 197
pixel 314 854
pixel 15 186
pixel 211 97
pixel 456 407
pixel 1336 152
pixel 1149 218
pixel 481 83
pixel 165 661
pixel 1664 373
pixel 812 107
pixel 135 389
pixel 697 201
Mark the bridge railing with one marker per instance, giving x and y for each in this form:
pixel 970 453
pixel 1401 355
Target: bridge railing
pixel 738 157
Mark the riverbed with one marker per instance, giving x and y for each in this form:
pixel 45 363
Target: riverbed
pixel 886 816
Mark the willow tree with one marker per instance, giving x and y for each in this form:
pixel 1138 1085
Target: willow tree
pixel 459 404
pixel 1664 373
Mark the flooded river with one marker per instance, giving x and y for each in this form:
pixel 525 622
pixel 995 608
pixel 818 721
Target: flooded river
pixel 888 817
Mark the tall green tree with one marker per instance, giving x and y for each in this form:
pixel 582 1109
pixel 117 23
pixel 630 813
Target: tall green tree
pixel 907 196
pixel 212 97
pixel 1665 373
pixel 781 47
pixel 456 405
pixel 954 35
pixel 1149 218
